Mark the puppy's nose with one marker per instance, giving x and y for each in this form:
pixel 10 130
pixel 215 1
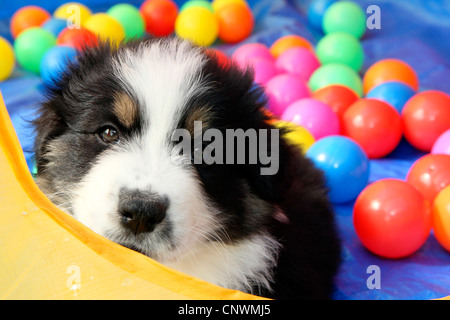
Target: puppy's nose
pixel 141 211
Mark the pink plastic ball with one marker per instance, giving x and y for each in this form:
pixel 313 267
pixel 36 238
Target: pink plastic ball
pixel 442 144
pixel 264 70
pixel 247 52
pixel 313 115
pixel 284 89
pixel 299 61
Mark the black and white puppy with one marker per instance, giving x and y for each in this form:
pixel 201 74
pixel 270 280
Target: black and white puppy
pixel 105 154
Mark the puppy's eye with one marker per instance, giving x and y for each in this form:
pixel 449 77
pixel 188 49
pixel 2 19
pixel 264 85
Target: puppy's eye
pixel 109 134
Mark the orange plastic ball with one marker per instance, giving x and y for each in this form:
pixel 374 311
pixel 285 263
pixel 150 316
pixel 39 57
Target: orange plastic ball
pixel 426 116
pixel 288 42
pixel 27 17
pixel 159 16
pixel 235 22
pixel 77 38
pixel 441 218
pixel 338 97
pixel 390 70
pixel 430 174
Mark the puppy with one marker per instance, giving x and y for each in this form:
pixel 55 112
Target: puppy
pixel 106 154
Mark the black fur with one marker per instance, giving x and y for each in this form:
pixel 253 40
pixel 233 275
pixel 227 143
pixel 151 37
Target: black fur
pixel 310 254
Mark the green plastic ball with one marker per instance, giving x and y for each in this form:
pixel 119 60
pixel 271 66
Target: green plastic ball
pixel 336 73
pixel 30 47
pixel 344 16
pixel 197 3
pixel 340 47
pixel 130 18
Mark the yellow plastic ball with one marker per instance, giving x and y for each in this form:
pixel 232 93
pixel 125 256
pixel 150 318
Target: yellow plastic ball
pixel 105 27
pixel 219 4
pixel 75 12
pixel 7 61
pixel 297 135
pixel 197 24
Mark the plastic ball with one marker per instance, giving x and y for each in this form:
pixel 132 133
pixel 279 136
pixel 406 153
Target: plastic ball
pixel 54 62
pixel 244 54
pixel 159 16
pixel 394 93
pixel 197 3
pixel 31 45
pixel 375 125
pixel 315 116
pixel 390 70
pixel 336 73
pixel 340 47
pixel 287 42
pixel 54 25
pixel 198 25
pixel 7 62
pixel 105 27
pixel 235 22
pixel 441 218
pixel 296 135
pixel 345 16
pixel 264 70
pixel 219 4
pixel 130 18
pixel 77 38
pixel 27 17
pixel 316 10
pixel 442 144
pixel 392 218
pixel 73 11
pixel 298 60
pixel 338 97
pixel 345 165
pixel 430 174
pixel 284 89
pixel 425 117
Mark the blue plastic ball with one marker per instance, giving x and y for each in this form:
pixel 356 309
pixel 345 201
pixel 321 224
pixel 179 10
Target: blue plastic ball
pixel 54 62
pixel 394 93
pixel 316 10
pixel 55 26
pixel 345 165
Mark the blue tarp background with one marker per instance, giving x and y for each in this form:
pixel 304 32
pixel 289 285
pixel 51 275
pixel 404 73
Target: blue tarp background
pixel 416 31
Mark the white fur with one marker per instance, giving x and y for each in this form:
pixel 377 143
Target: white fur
pixel 163 76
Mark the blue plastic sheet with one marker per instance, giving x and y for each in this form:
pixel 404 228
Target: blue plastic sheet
pixel 416 31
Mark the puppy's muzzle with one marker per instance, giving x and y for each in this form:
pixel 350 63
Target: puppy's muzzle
pixel 141 211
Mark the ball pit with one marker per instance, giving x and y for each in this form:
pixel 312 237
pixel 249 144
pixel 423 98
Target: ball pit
pixel 345 16
pixel 441 218
pixel 77 38
pixel 159 16
pixel 442 144
pixel 54 62
pixel 245 53
pixel 105 27
pixel 8 61
pixel 335 73
pixel 393 92
pixel 296 135
pixel 198 25
pixel 338 97
pixel 264 70
pixel 130 18
pixel 430 174
pixel 298 60
pixel 375 125
pixel 314 115
pixel 197 3
pixel 390 70
pixel 73 11
pixel 235 22
pixel 340 47
pixel 27 17
pixel 54 25
pixel 219 4
pixel 345 165
pixel 31 45
pixel 392 218
pixel 425 117
pixel 316 11
pixel 287 42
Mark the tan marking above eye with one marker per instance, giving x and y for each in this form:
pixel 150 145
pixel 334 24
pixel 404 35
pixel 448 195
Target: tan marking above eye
pixel 125 109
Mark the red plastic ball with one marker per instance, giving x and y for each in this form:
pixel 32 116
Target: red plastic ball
pixel 375 125
pixel 235 22
pixel 338 97
pixel 159 16
pixel 27 17
pixel 76 38
pixel 426 116
pixel 392 218
pixel 430 174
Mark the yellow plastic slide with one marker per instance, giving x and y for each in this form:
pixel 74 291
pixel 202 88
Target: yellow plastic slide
pixel 47 254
